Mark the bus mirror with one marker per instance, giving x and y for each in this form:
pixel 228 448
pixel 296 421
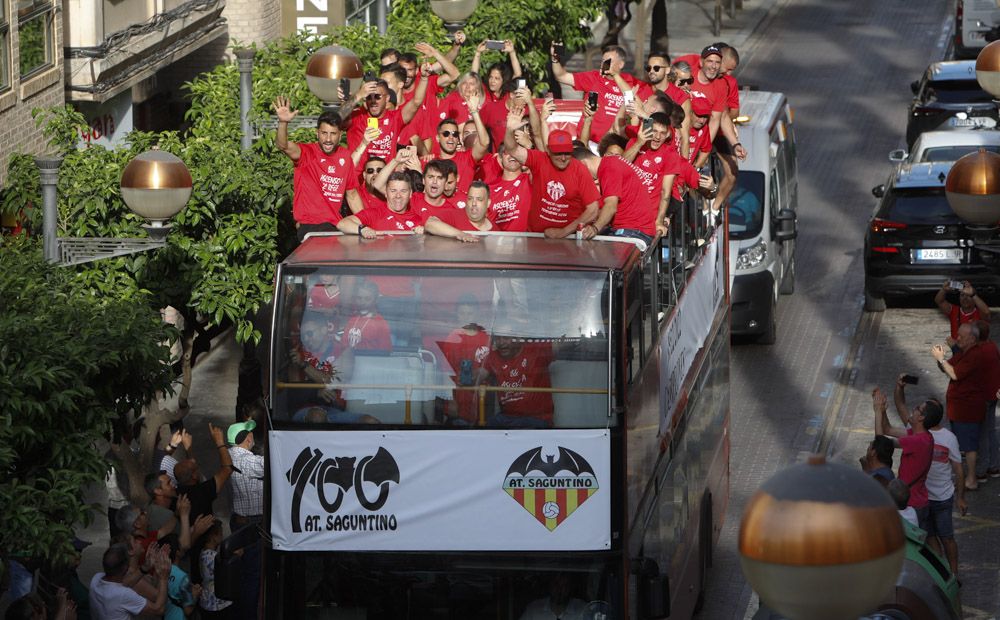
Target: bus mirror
pixel 652 588
pixel 228 563
pixel 897 156
pixel 787 229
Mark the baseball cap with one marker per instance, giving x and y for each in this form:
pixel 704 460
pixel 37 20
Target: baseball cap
pixel 711 49
pixel 560 142
pixel 701 106
pixel 233 434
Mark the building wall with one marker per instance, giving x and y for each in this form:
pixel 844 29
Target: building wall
pixel 42 90
pixel 253 21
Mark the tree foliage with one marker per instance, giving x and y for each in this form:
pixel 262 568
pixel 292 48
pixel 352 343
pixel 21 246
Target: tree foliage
pixel 72 364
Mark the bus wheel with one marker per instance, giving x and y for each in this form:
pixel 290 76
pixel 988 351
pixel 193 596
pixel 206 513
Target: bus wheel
pixel 788 282
pixel 873 303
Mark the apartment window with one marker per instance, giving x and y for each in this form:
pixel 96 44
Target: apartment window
pixel 4 47
pixel 34 27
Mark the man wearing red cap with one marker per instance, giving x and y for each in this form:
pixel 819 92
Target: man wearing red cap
pixel 565 197
pixel 700 140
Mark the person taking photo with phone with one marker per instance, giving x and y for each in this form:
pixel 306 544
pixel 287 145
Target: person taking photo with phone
pixel 970 308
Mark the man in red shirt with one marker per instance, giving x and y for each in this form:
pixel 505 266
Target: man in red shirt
pixel 390 123
pixel 370 196
pixel 657 76
pixel 700 140
pixel 473 217
pixel 639 216
pixel 917 445
pixel 609 93
pixel 448 140
pixel 965 397
pixel 663 170
pixel 565 197
pixel 515 363
pixel 708 83
pixel 465 349
pixel 324 173
pixel 970 308
pixel 510 192
pixel 366 329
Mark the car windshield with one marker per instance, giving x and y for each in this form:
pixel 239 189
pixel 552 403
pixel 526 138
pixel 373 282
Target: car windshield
pixel 746 213
pixel 957 91
pixel 432 347
pixel 927 206
pixel 953 153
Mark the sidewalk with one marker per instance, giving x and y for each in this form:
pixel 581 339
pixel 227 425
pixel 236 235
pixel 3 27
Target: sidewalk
pixel 690 30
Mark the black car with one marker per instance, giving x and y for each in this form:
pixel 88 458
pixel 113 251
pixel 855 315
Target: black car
pixel 915 242
pixel 949 97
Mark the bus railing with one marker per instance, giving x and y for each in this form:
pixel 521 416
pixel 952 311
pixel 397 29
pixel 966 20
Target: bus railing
pixel 408 389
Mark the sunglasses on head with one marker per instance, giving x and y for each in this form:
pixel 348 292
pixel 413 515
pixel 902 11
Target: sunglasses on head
pixel 654 68
pixel 686 81
pixel 373 170
pixel 450 134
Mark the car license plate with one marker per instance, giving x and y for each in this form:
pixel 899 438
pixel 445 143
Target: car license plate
pixel 975 121
pixel 938 255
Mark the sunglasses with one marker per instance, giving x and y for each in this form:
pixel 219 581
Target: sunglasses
pixel 686 81
pixel 654 68
pixel 450 134
pixel 373 170
pixel 374 97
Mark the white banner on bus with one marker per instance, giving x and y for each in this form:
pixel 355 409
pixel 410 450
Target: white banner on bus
pixel 518 490
pixel 689 327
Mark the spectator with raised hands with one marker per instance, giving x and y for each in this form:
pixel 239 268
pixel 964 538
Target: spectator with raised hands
pixel 970 307
pixel 111 598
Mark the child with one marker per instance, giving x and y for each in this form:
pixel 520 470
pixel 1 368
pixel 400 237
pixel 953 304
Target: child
pixel 211 606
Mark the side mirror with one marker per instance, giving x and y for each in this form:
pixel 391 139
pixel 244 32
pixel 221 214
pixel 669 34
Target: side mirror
pixel 915 86
pixel 652 589
pixel 878 191
pixel 898 156
pixel 787 229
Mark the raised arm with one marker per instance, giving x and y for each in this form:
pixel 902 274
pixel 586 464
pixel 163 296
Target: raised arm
pixel 450 71
pixel 515 64
pixel 939 298
pixel 226 462
pixel 456 46
pixel 562 75
pixel 413 105
pixel 285 115
pixel 643 137
pixel 882 426
pixel 476 58
pixel 482 144
pixel 382 178
pixel 371 134
pixel 984 310
pixel 938 352
pixel 588 121
pixel 729 131
pixel 899 399
pixel 515 118
pixel 539 126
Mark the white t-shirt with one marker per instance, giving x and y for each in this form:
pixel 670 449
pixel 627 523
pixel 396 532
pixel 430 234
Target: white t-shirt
pixel 110 600
pixel 910 514
pixel 940 485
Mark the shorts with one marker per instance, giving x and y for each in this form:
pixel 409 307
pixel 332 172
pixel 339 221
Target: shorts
pixel 940 524
pixel 967 434
pixel 923 517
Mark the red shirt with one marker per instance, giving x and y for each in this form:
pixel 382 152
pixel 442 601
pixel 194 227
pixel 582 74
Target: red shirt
pixel 561 195
pixel 390 123
pixel 676 94
pixel 609 97
pixel 453 107
pixel 637 206
pixel 323 299
pixel 459 349
pixel 494 116
pixel 424 121
pixel 466 167
pixel 367 333
pixel 918 450
pixel 459 219
pixel 733 96
pixel 959 316
pixel 991 369
pixel 654 165
pixel 699 141
pixel 386 219
pixel 418 203
pixel 510 203
pixel 370 200
pixel 320 182
pixel 529 367
pixel 965 398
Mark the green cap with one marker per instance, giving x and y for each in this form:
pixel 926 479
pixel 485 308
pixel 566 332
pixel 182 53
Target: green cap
pixel 239 427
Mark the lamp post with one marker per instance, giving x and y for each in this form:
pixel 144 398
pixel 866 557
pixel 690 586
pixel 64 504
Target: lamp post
pixel 821 541
pixel 453 12
pixel 155 185
pixel 330 68
pixel 244 61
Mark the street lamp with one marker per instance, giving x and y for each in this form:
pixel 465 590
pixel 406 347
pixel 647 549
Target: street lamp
pixel 331 67
pixel 155 185
pixel 821 541
pixel 453 12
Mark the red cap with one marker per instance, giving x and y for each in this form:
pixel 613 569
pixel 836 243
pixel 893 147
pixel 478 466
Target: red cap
pixel 701 106
pixel 560 142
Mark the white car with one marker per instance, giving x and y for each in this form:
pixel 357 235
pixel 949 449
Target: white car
pixel 936 146
pixel 973 19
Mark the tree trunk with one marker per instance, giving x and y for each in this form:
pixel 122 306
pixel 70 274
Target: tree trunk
pixel 136 465
pixel 187 363
pixel 659 34
pixel 619 15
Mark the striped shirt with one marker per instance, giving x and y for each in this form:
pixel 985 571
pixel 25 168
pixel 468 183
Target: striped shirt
pixel 248 482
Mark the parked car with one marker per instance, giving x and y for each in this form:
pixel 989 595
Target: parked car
pixel 914 241
pixel 949 97
pixel 935 146
pixel 973 20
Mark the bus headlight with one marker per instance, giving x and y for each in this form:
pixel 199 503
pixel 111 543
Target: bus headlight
pixel 752 256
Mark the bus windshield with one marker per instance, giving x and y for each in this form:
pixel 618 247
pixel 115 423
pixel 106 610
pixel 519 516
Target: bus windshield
pixel 442 347
pixel 746 213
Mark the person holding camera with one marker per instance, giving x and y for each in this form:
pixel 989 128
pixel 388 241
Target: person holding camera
pixel 970 308
pixel 916 443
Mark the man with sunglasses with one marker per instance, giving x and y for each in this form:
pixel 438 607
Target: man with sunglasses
pixel 324 175
pixel 448 138
pixel 375 97
pixel 371 197
pixel 658 75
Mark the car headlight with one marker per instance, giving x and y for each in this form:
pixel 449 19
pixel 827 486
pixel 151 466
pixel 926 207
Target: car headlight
pixel 750 257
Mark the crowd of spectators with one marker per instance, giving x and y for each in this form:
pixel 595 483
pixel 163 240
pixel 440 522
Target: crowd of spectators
pixel 947 448
pixel 485 156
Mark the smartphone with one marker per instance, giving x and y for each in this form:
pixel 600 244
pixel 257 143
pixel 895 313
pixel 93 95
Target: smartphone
pixel 628 96
pixel 606 65
pixel 559 49
pixel 369 76
pixel 345 87
pixel 372 122
pixel 955 285
pixel 492 44
pixel 911 379
pixel 521 83
pixel 647 124
pixel 592 100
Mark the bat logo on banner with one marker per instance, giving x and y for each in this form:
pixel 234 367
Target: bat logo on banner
pixel 548 486
pixel 333 478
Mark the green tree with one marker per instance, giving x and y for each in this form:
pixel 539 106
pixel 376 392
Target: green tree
pixel 72 364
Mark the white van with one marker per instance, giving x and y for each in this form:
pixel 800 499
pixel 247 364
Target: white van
pixel 973 19
pixel 762 220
